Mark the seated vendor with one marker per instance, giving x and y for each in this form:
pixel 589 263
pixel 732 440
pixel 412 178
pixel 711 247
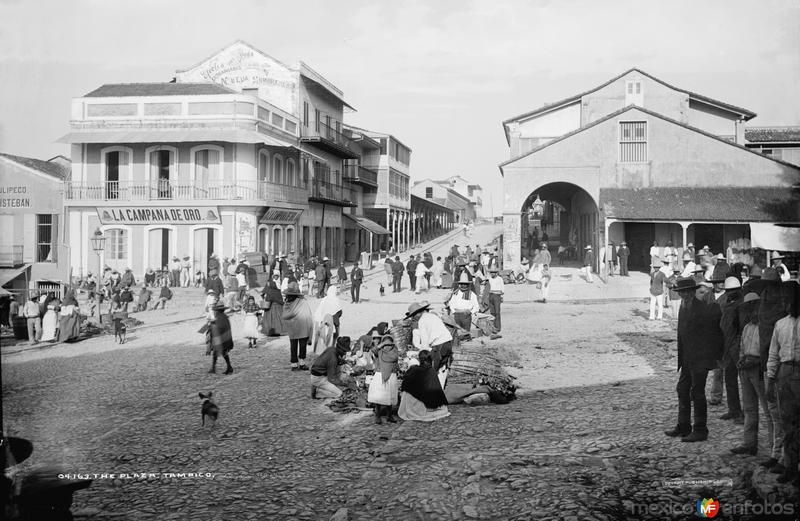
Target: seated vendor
pixel 325 370
pixel 422 398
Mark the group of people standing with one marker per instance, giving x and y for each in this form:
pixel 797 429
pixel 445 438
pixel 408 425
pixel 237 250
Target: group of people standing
pixel 48 318
pixel 745 329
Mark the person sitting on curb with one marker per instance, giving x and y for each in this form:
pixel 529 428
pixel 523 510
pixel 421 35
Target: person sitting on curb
pixel 325 376
pixel 164 296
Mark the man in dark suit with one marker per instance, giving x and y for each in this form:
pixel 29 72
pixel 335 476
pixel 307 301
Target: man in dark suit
pixel 623 253
pixel 700 346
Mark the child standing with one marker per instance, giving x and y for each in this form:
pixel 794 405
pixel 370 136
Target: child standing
pixel 251 312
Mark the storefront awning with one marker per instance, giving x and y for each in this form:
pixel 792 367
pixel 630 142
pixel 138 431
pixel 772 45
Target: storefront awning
pixel 170 135
pixel 775 237
pixel 366 224
pixel 9 274
pixel 275 215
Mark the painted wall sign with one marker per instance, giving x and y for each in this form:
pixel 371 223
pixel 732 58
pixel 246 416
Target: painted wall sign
pixel 281 216
pixel 163 215
pixel 240 66
pixel 14 197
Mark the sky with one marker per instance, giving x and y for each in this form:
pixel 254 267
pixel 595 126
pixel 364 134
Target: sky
pixel 440 75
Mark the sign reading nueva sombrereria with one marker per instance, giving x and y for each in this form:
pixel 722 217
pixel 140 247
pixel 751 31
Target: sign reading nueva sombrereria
pixel 280 216
pixel 159 215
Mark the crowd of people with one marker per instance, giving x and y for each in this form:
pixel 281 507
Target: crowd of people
pixel 48 318
pixel 741 325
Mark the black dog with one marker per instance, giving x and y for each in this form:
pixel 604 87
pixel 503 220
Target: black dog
pixel 209 409
pixel 120 330
pixel 382 290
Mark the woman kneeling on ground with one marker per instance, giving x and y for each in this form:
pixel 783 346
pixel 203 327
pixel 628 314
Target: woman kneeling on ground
pixel 422 398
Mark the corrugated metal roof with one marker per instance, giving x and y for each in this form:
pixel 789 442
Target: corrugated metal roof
pixel 119 90
pixel 730 204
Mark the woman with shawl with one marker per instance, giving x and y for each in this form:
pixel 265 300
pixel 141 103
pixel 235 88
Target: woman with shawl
pixel 383 387
pixel 299 324
pixel 324 334
pixel 330 305
pixel 69 327
pixel 272 320
pixel 221 338
pixel 50 322
pixel 422 398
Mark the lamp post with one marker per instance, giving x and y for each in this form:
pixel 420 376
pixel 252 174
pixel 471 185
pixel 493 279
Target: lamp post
pixel 98 245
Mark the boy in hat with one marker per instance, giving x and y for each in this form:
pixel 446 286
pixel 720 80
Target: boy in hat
pixel 699 348
pixel 588 263
pixel 220 337
pixel 496 290
pixel 623 253
pixel 463 302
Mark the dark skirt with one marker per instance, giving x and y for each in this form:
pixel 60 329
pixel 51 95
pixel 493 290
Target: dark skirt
pixel 69 327
pixel 272 321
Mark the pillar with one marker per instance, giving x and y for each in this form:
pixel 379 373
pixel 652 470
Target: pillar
pixel 607 224
pixel 684 230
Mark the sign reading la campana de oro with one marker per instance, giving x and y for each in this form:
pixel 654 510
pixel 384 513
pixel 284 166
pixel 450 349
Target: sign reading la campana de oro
pixel 159 215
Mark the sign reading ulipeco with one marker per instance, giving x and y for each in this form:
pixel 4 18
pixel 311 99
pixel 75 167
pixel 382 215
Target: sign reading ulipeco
pixel 281 216
pixel 164 215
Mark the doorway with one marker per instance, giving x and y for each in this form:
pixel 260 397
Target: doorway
pixel 159 248
pixel 640 237
pixel 206 241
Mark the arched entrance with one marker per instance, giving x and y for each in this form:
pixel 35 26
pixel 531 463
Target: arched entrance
pixel 565 215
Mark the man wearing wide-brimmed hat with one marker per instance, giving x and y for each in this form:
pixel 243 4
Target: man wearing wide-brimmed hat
pixel 299 322
pixel 699 348
pixel 659 273
pixel 496 290
pixel 432 335
pixel 175 271
pixel 464 302
pixel 777 263
pixel 731 332
pixel 623 253
pixel 688 264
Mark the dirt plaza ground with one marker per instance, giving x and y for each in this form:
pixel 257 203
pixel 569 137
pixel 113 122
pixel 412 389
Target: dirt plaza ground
pixel 583 440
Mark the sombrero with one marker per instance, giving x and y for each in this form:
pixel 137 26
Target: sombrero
pixel 417 307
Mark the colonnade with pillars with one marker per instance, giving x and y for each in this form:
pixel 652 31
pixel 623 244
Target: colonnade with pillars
pixel 408 228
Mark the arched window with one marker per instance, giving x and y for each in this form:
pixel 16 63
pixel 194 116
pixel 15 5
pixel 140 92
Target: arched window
pixel 263 239
pixel 277 169
pixel 289 239
pixel 276 240
pixel 162 166
pixel 290 172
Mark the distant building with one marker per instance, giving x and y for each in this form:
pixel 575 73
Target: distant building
pixel 472 192
pixel 33 255
pixel 640 160
pixel 439 193
pixel 776 142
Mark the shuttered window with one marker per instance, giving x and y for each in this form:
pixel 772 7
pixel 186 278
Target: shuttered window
pixel 632 141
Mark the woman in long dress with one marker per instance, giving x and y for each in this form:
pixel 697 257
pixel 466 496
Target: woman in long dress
pixel 272 320
pixel 250 329
pixel 422 398
pixel 69 327
pixel 50 322
pixel 539 273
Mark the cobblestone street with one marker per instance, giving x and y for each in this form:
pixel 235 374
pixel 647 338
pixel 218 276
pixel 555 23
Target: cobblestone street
pixel 583 441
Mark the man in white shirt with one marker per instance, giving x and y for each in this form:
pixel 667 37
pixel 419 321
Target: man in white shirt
pixel 432 335
pixel 688 265
pixel 419 272
pixel 463 303
pixel 496 290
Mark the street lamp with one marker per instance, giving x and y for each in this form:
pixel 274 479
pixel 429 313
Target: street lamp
pixel 98 245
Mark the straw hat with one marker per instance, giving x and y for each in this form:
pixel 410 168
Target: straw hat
pixel 684 283
pixel 750 297
pixel 776 255
pixel 732 283
pixel 464 279
pixel 417 307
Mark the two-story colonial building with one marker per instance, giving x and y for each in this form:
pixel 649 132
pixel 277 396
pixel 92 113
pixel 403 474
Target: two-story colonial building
pixel 639 160
pixel 238 153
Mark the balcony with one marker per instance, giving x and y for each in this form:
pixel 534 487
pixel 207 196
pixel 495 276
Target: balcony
pixel 330 193
pixel 10 256
pixel 329 139
pixel 168 190
pixel 360 175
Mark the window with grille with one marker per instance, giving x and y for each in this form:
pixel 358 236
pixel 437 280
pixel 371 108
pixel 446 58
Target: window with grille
pixel 632 141
pixel 116 244
pixel 45 238
pixel 429 192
